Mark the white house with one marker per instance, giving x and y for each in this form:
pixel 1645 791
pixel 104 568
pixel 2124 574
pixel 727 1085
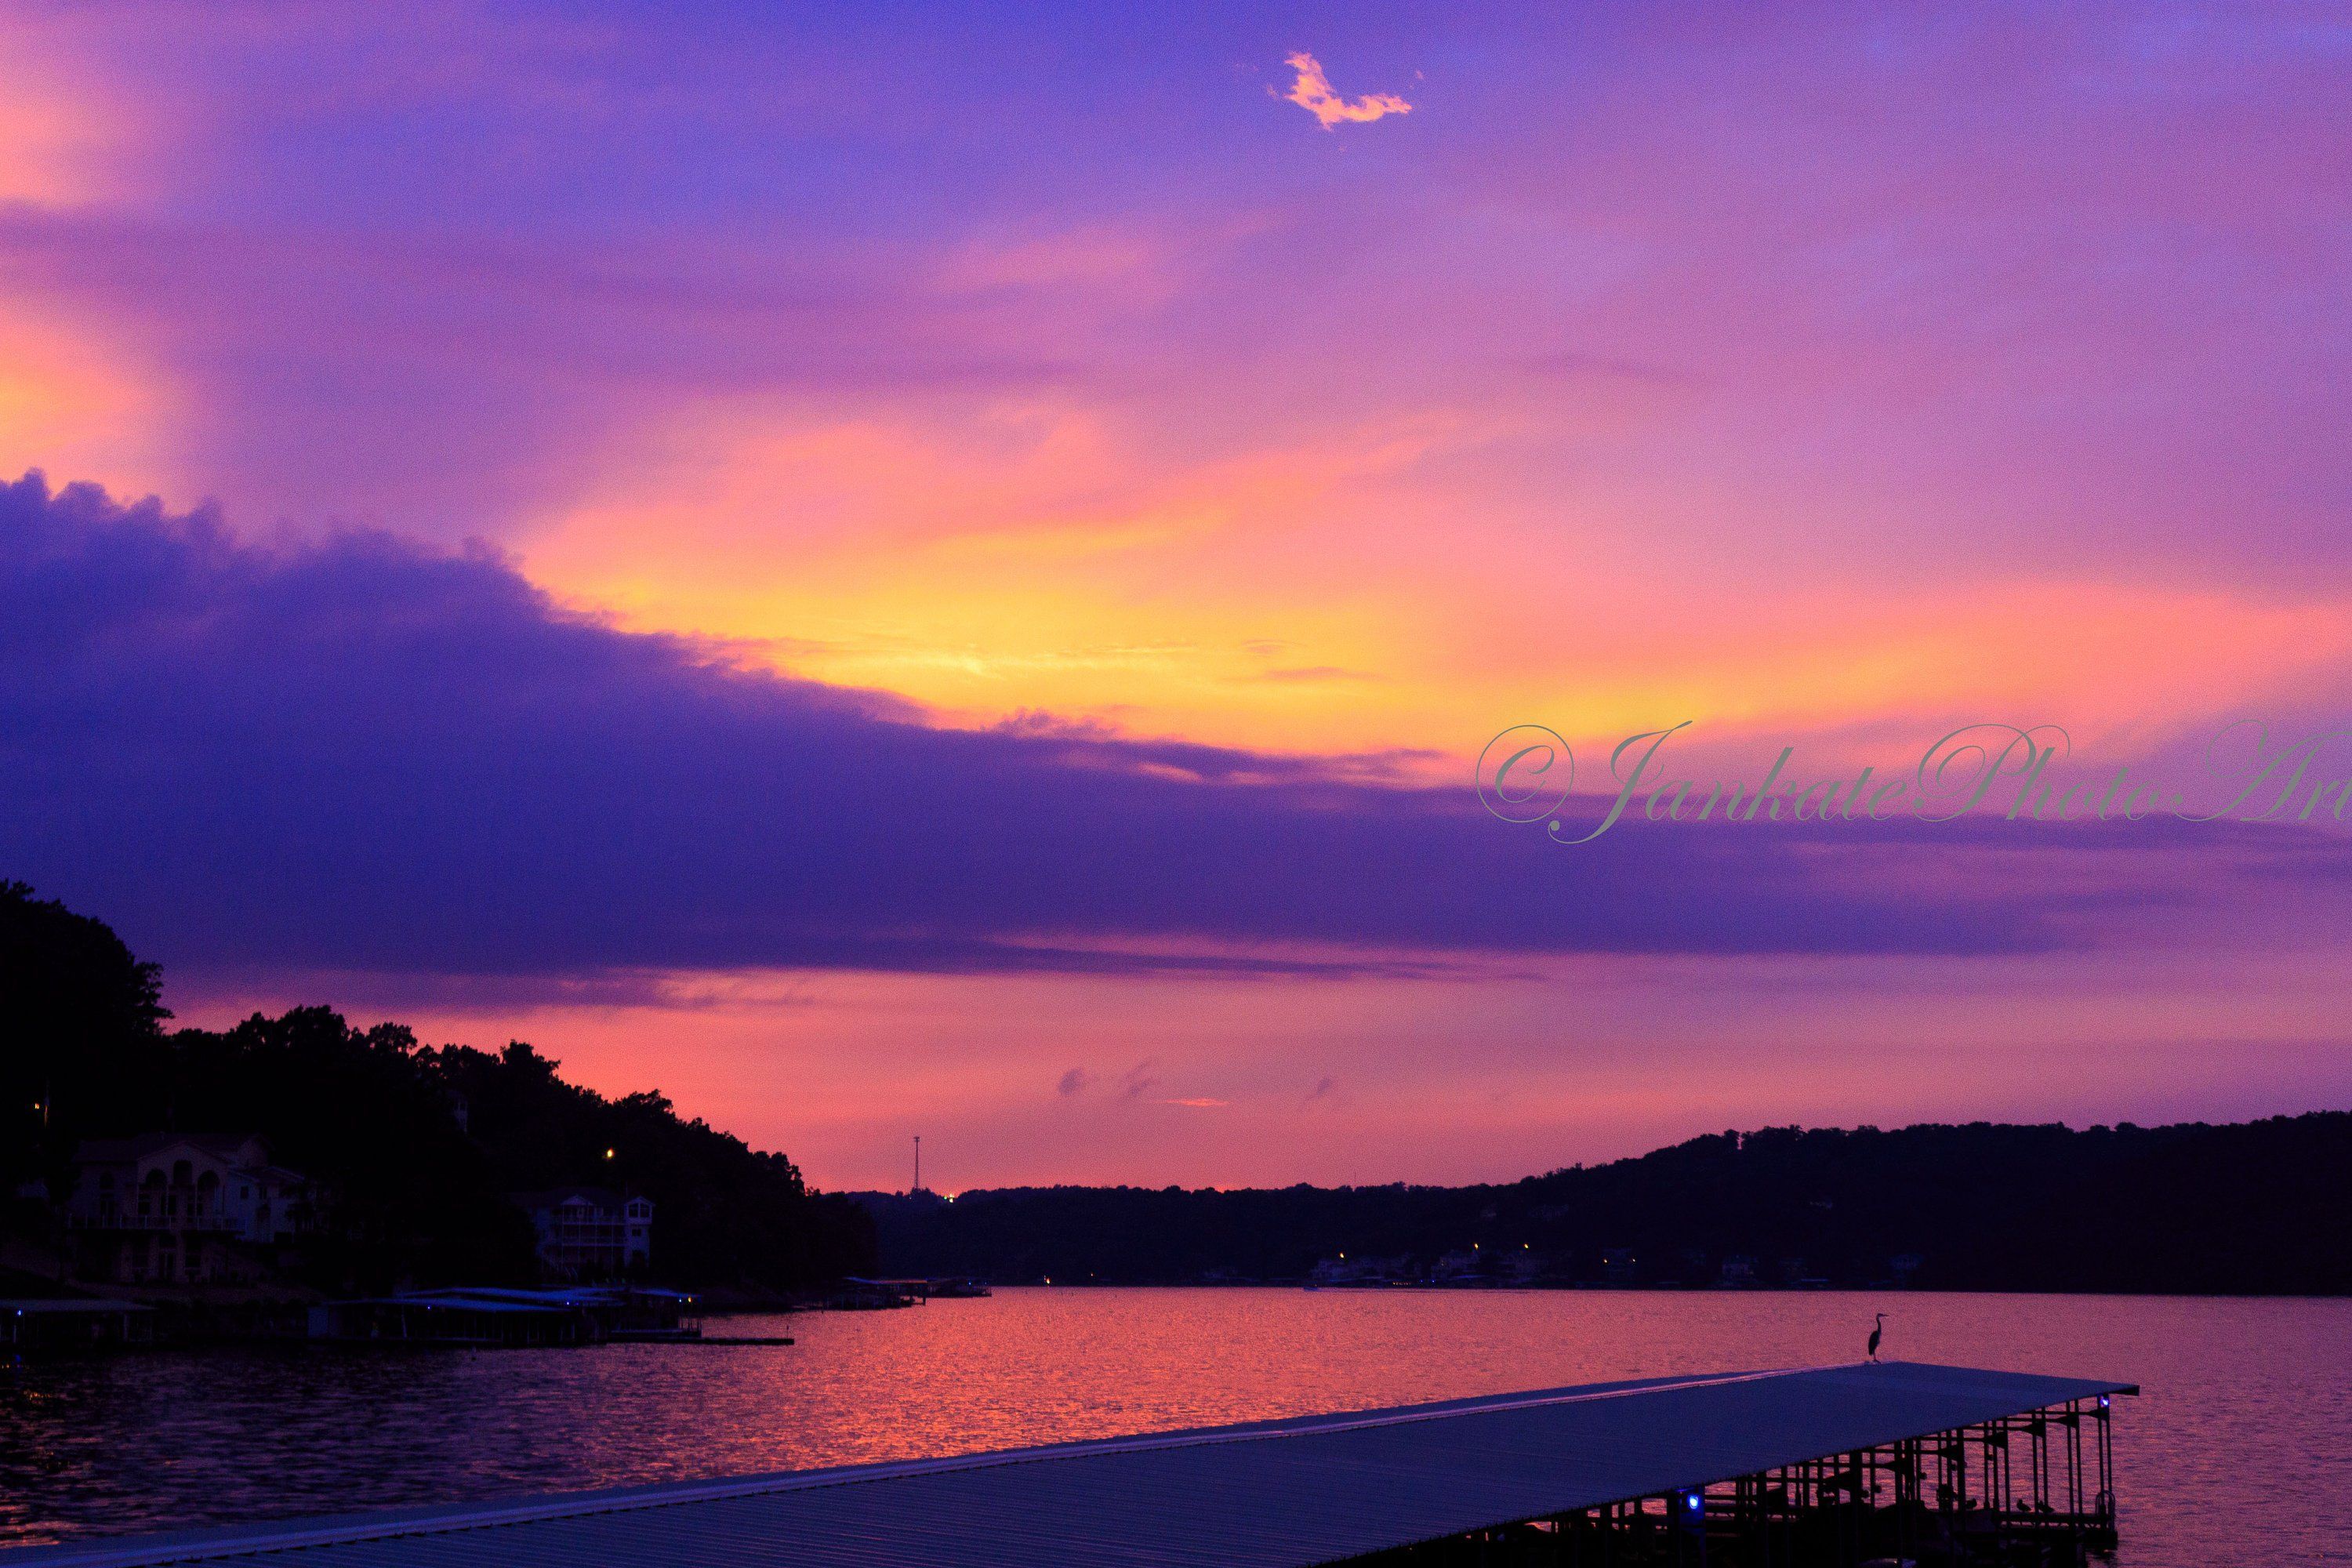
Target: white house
pixel 164 1207
pixel 590 1233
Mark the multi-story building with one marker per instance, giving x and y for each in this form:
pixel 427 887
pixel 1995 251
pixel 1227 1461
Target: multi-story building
pixel 590 1233
pixel 184 1208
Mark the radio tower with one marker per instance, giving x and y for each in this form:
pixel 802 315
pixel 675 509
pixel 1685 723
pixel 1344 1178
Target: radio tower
pixel 919 1166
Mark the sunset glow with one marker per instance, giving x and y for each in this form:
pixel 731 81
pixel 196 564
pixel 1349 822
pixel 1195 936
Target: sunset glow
pixel 1018 534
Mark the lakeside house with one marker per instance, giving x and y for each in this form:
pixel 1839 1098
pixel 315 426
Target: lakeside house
pixel 1359 1270
pixel 176 1208
pixel 590 1233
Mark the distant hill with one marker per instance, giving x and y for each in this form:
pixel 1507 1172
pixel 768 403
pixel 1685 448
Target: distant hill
pixel 2261 1207
pixel 420 1146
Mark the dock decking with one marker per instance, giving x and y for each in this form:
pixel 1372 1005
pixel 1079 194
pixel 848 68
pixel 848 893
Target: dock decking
pixel 1277 1494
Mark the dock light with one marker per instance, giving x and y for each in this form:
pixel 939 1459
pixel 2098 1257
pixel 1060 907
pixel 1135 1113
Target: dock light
pixel 1694 1501
pixel 2102 1402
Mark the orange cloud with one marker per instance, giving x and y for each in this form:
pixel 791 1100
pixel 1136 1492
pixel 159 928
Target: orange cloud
pixel 1312 92
pixel 1363 587
pixel 1048 557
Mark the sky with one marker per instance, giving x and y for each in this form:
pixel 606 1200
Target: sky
pixel 922 569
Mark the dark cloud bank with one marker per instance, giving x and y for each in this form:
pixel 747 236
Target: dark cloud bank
pixel 357 755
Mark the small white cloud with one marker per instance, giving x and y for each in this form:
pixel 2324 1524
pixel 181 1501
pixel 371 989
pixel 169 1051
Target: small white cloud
pixel 1312 92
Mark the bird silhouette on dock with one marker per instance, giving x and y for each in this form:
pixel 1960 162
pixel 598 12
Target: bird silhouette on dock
pixel 1877 1332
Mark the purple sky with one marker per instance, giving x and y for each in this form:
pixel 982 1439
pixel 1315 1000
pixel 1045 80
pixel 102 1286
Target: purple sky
pixel 931 571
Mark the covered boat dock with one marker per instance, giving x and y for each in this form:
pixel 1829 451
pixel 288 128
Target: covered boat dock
pixel 493 1315
pixel 1898 1461
pixel 52 1322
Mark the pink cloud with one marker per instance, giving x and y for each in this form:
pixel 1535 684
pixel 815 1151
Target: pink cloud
pixel 1312 92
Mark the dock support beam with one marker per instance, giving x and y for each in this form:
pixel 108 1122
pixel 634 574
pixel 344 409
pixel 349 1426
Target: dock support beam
pixel 1986 1494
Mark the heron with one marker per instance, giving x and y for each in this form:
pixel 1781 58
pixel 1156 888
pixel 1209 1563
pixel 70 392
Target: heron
pixel 1877 1332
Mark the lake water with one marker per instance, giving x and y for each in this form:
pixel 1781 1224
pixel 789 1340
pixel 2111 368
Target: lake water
pixel 2239 1452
